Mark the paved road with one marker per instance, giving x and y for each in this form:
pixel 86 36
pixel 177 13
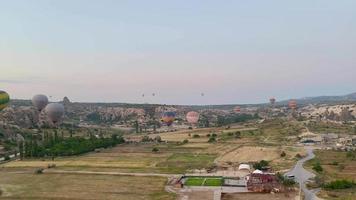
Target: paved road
pixel 302 175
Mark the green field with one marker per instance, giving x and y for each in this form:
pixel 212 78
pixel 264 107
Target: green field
pixel 203 181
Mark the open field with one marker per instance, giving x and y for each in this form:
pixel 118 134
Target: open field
pixel 335 165
pixel 65 186
pixel 130 158
pixel 173 157
pixel 259 196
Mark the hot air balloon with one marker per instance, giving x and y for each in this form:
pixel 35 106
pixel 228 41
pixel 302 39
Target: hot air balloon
pixel 4 100
pixel 192 117
pixel 237 109
pixel 40 101
pixel 272 100
pixel 168 118
pixel 292 104
pixel 55 112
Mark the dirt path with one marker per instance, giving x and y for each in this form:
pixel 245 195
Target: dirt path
pixel 51 171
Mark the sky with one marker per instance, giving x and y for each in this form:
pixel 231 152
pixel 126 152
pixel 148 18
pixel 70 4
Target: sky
pixel 233 51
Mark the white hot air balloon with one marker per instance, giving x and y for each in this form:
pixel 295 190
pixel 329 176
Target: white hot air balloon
pixel 55 112
pixel 192 117
pixel 40 101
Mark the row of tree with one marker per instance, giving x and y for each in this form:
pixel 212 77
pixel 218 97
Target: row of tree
pixel 58 146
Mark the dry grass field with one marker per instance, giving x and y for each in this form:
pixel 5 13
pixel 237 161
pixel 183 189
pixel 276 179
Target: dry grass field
pixel 336 165
pixel 80 187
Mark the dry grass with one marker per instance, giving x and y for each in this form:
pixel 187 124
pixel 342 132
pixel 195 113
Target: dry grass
pixel 65 186
pixel 260 196
pixel 250 154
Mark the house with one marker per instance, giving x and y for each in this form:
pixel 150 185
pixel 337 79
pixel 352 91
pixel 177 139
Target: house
pixel 262 182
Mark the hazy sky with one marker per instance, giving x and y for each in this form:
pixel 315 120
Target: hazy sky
pixel 238 51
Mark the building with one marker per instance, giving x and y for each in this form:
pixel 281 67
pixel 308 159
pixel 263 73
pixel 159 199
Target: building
pixel 262 182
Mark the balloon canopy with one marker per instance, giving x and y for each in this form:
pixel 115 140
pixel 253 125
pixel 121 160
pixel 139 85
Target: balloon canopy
pixel 168 118
pixel 55 112
pixel 4 99
pixel 292 104
pixel 237 109
pixel 192 117
pixel 40 101
pixel 272 100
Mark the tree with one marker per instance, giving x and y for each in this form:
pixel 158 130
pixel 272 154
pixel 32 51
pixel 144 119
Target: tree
pixel 136 126
pixel 261 165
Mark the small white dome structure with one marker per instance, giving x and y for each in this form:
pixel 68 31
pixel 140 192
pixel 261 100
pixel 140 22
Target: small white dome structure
pixel 257 171
pixel 244 167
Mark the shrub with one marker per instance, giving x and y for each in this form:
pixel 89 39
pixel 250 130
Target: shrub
pixel 260 165
pixel 39 171
pixel 185 141
pixel 208 135
pixel 155 150
pixel 317 167
pixel 196 136
pixel 283 154
pixel 214 135
pixel 212 140
pixel 339 184
pixel 230 134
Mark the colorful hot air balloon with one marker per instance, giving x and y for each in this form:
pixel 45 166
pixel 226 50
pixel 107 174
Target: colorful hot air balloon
pixel 292 104
pixel 4 100
pixel 40 101
pixel 272 100
pixel 192 117
pixel 168 118
pixel 237 109
pixel 55 112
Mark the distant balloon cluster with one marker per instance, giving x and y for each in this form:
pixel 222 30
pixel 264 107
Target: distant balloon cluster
pixel 54 111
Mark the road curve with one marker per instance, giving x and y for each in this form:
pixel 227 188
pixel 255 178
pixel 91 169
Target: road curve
pixel 302 175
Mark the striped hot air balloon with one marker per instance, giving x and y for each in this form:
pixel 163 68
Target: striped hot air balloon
pixel 237 109
pixel 292 104
pixel 4 99
pixel 168 118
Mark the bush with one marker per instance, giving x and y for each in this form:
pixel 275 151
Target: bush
pixel 39 171
pixel 283 154
pixel 317 167
pixel 285 181
pixel 212 140
pixel 208 135
pixel 335 163
pixel 214 135
pixel 339 184
pixel 230 134
pixel 155 150
pixel 196 136
pixel 185 141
